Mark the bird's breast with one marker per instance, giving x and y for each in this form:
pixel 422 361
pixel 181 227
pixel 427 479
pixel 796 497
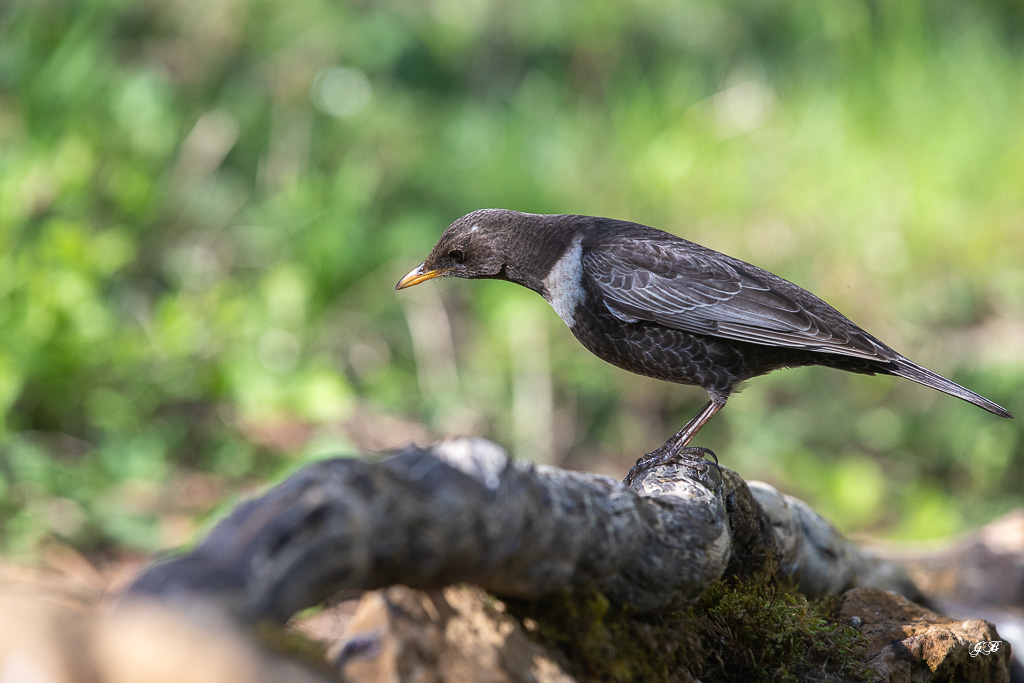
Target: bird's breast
pixel 563 285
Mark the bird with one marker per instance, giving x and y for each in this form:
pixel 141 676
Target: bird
pixel 658 305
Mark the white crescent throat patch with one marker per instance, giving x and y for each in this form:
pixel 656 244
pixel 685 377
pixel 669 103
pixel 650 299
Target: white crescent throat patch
pixel 562 285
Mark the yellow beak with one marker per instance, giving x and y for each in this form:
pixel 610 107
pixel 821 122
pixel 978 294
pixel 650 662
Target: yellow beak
pixel 418 275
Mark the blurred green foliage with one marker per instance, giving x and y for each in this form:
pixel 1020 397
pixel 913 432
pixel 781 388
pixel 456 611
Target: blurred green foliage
pixel 204 207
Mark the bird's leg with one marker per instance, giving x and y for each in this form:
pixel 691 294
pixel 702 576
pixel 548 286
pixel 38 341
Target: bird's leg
pixel 676 447
pixel 685 435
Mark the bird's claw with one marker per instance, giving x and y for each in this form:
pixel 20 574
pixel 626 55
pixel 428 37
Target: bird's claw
pixel 697 460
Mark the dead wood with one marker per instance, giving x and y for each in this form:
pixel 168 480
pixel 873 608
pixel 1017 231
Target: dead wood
pixel 462 511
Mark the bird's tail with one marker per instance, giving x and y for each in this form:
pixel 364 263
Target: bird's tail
pixel 914 372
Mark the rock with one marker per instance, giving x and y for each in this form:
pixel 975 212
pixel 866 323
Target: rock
pixel 910 643
pixel 454 634
pixel 50 636
pixel 979 575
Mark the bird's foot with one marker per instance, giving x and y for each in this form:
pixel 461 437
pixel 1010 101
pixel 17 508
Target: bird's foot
pixel 690 456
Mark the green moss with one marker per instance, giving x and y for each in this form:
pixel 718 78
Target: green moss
pixel 291 644
pixel 749 631
pixel 600 641
pixel 759 632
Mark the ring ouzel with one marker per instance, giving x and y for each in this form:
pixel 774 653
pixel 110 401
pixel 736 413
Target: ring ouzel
pixel 661 306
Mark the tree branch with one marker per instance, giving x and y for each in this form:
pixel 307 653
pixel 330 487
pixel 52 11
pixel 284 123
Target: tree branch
pixel 461 511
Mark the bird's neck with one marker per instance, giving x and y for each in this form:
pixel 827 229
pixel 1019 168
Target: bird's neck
pixel 538 252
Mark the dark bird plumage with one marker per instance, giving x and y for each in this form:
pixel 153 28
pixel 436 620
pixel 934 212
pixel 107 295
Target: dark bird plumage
pixel 661 306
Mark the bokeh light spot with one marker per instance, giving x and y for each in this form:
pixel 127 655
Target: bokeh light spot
pixel 341 92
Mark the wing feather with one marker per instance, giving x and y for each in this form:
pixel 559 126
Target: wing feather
pixel 688 287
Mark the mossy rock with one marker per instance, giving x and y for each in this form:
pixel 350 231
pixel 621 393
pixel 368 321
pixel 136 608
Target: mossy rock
pixel 750 631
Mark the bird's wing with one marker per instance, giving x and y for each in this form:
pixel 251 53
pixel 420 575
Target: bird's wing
pixel 688 287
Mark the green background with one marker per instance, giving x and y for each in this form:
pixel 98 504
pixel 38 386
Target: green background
pixel 204 208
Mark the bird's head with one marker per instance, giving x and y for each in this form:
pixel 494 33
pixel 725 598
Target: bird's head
pixel 474 246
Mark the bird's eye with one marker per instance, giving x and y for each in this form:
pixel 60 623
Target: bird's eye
pixel 457 255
